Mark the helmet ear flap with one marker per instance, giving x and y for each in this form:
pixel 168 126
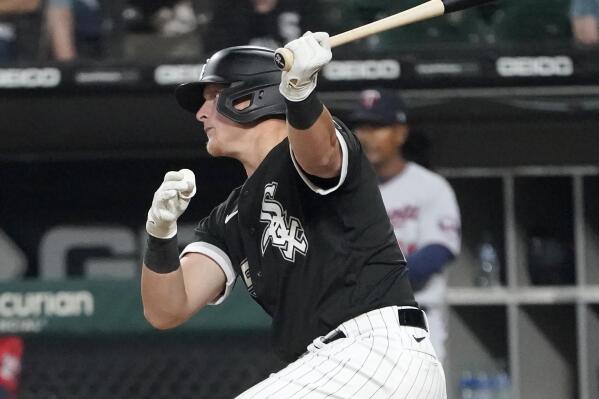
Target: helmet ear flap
pixel 243 102
pixel 230 98
pixel 236 95
pixel 263 101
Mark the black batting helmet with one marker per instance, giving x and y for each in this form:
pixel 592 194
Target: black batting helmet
pixel 250 74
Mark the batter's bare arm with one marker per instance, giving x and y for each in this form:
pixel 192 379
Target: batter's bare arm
pixel 169 299
pixel 316 149
pixel 310 126
pixel 172 289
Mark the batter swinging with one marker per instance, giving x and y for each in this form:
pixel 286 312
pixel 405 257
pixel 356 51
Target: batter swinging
pixel 307 232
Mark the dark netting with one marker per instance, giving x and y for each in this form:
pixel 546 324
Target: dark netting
pixel 156 366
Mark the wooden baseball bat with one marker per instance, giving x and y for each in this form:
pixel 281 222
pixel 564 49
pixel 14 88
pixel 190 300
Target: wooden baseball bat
pixel 430 9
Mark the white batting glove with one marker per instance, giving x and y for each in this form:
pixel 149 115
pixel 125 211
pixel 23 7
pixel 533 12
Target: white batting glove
pixel 311 52
pixel 170 201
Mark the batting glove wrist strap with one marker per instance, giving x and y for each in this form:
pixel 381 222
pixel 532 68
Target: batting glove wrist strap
pixel 162 255
pixel 162 230
pixel 311 53
pixel 301 115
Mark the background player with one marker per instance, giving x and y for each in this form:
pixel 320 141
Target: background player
pixel 307 232
pixel 421 204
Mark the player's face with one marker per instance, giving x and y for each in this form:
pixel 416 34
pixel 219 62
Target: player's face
pixel 225 137
pixel 381 143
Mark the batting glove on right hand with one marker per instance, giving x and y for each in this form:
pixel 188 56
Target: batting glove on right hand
pixel 169 202
pixel 311 53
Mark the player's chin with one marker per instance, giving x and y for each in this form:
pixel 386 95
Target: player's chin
pixel 213 149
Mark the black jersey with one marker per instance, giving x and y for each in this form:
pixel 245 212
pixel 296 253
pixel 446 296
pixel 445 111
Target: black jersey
pixel 312 252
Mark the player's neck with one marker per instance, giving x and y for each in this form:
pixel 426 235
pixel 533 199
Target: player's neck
pixel 388 170
pixel 262 139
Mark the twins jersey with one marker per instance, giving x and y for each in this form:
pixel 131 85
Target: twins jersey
pixel 423 210
pixel 312 252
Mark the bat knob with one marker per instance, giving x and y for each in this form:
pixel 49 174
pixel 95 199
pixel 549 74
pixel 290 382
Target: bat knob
pixel 283 59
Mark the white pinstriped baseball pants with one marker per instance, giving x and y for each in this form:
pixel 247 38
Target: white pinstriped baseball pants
pixel 377 359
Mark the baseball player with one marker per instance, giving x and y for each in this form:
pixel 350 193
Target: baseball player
pixel 421 204
pixel 307 233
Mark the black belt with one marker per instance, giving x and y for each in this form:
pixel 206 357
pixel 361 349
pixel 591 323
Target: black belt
pixel 407 317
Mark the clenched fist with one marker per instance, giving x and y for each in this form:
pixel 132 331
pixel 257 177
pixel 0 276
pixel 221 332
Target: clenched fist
pixel 311 53
pixel 169 202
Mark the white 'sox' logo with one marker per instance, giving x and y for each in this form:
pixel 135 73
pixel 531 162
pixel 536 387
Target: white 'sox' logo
pixel 285 233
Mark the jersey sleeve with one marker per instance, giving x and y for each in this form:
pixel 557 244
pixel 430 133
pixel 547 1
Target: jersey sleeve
pixel 210 241
pixel 441 220
pixel 350 149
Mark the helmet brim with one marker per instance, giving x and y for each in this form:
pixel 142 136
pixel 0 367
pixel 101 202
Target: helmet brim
pixel 190 96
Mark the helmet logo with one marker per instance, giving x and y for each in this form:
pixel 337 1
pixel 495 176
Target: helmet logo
pixel 203 71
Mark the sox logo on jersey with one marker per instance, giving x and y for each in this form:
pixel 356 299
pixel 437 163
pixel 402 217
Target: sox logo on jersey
pixel 285 233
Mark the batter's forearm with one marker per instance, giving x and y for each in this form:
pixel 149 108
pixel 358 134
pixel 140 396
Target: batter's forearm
pixel 312 137
pixel 162 283
pixel 164 298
